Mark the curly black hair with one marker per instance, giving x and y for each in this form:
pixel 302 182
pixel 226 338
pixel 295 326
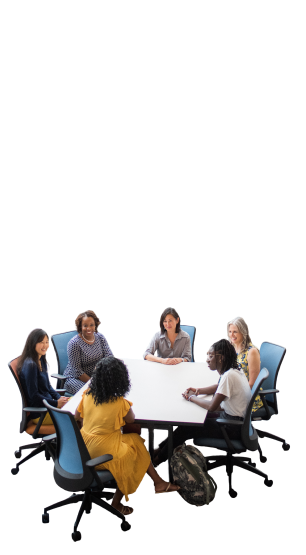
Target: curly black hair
pixel 87 314
pixel 229 355
pixel 109 381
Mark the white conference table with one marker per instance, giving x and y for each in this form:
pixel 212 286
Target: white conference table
pixel 156 393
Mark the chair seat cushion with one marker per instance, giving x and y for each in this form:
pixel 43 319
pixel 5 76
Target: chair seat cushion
pixel 105 476
pixel 43 430
pixel 219 443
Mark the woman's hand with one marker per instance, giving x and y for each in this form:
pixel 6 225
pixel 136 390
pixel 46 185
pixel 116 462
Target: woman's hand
pixel 62 401
pixel 171 360
pixel 189 391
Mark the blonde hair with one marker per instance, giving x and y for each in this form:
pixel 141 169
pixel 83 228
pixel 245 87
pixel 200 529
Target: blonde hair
pixel 243 329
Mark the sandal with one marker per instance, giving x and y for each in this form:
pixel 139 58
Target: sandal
pixel 125 510
pixel 167 490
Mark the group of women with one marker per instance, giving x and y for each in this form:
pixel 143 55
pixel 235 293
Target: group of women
pixel 103 410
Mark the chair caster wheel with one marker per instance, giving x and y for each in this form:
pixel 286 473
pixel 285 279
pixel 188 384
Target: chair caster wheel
pixel 233 493
pixel 286 446
pixel 263 459
pixel 268 483
pixel 125 526
pixel 76 536
pixel 252 464
pixel 45 518
pixel 17 454
pixel 15 470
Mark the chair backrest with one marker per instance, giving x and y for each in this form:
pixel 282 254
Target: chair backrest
pixel 191 330
pixel 248 433
pixel 26 426
pixel 271 357
pixel 70 470
pixel 60 342
pixel 13 368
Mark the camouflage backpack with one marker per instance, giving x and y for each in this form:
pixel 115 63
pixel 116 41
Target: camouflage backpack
pixel 189 471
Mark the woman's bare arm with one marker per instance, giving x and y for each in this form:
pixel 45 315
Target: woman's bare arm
pixel 254 365
pixel 212 405
pixel 130 416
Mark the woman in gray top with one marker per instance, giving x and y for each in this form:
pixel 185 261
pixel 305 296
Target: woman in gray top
pixel 171 343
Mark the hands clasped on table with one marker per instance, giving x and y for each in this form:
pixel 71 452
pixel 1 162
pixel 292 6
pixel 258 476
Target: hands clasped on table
pixel 189 392
pixel 171 360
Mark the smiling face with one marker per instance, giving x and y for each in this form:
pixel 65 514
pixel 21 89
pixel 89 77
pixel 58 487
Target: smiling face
pixel 234 335
pixel 42 347
pixel 88 328
pixel 170 323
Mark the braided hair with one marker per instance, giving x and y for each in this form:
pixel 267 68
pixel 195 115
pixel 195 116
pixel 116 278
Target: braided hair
pixel 109 381
pixel 229 355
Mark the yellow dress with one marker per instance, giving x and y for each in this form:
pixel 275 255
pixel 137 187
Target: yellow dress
pixel 242 359
pixel 102 435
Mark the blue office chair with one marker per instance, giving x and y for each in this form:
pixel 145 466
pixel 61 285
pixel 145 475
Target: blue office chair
pixel 60 342
pixel 74 470
pixel 248 441
pixel 191 330
pixel 271 357
pixel 37 431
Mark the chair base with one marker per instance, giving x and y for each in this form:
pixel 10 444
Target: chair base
pixel 229 461
pixel 87 498
pixel 47 447
pixel 262 434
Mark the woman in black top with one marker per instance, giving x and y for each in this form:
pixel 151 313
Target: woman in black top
pixel 33 375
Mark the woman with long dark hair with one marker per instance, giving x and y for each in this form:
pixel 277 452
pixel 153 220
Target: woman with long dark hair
pixel 102 411
pixel 231 397
pixel 33 375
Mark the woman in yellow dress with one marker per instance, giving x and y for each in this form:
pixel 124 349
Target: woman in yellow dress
pixel 102 411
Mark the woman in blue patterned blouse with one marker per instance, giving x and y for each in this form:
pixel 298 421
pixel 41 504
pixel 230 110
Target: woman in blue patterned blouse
pixel 84 351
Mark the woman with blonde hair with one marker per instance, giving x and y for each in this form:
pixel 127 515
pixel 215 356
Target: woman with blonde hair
pixel 247 354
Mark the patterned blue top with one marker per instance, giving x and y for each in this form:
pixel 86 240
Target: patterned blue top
pixel 82 359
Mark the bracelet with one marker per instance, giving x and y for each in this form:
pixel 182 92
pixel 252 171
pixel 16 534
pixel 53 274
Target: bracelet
pixel 191 396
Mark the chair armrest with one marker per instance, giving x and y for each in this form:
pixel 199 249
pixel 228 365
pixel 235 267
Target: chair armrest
pixel 59 377
pixel 35 409
pixel 263 398
pixel 60 391
pixel 267 391
pixel 99 460
pixel 49 437
pixel 231 422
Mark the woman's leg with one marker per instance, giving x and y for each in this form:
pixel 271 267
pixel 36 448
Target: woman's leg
pixel 180 435
pixel 159 483
pixel 116 503
pixel 211 429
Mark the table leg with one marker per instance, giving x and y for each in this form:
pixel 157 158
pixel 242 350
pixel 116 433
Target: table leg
pixel 170 450
pixel 151 441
